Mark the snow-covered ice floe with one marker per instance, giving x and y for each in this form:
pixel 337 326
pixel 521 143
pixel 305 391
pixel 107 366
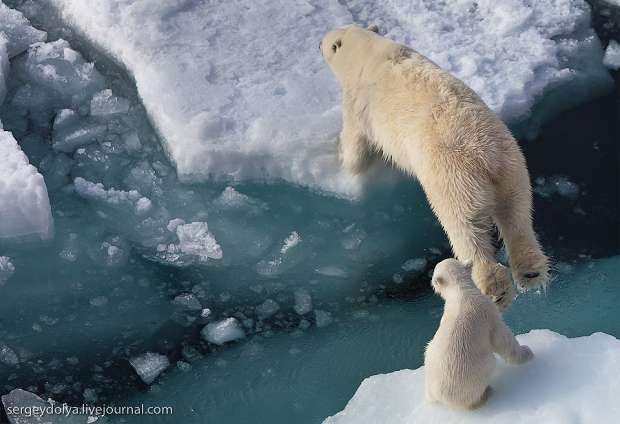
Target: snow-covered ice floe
pixel 24 205
pixel 569 380
pixel 247 95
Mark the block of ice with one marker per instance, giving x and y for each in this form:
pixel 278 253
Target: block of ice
pixel 131 200
pixel 568 380
pixel 612 55
pixel 187 301
pixel 6 269
pixel 238 99
pixel 24 205
pixel 267 309
pixel 71 131
pixel 104 103
pixel 417 264
pixel 149 365
pixel 223 331
pixel 195 239
pixel 18 31
pixel 57 67
pixel 303 301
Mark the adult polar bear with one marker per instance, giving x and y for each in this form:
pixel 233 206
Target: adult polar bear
pixel 430 124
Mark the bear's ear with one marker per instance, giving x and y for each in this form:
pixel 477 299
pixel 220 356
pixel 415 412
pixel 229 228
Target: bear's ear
pixel 373 28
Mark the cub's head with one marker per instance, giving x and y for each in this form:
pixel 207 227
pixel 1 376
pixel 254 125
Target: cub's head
pixel 449 275
pixel 343 47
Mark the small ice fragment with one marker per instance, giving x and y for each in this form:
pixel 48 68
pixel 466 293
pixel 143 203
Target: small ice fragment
pixel 6 269
pixel 612 56
pixel 417 264
pixel 105 103
pixel 173 224
pixel 322 318
pixel 397 278
pixel 149 365
pixel 291 241
pixel 143 205
pixel 8 356
pixel 205 313
pixel 187 301
pixel 89 395
pixel 266 309
pixel 195 239
pixel 331 271
pixel 99 301
pixel 303 302
pixel 223 331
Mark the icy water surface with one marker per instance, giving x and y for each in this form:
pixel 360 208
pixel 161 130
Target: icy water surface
pixel 326 291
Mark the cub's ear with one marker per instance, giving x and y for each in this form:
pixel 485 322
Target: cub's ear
pixel 439 281
pixel 373 28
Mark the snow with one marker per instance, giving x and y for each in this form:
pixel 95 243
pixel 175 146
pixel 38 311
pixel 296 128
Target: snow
pixel 18 31
pixel 569 380
pixel 223 331
pixel 149 365
pixel 240 96
pixel 612 55
pixel 24 205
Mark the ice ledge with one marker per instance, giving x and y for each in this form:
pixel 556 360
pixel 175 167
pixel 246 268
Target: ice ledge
pixel 570 380
pixel 25 213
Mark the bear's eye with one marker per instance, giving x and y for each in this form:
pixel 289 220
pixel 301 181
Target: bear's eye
pixel 336 45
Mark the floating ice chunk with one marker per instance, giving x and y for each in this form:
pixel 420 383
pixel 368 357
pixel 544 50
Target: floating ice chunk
pixel 332 271
pixel 24 205
pixel 223 331
pixel 266 309
pixel 173 224
pixel 583 370
pixel 71 131
pixel 132 141
pixel 104 103
pixel 417 264
pixel 8 356
pixel 18 401
pixel 322 318
pixel 6 269
pixel 612 55
pixel 18 31
pixel 354 237
pixel 149 365
pixel 195 239
pixel 232 199
pixel 187 301
pixel 291 241
pixel 265 113
pixel 303 302
pixel 55 65
pixel 116 198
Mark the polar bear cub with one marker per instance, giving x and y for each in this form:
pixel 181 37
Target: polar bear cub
pixel 459 359
pixel 398 104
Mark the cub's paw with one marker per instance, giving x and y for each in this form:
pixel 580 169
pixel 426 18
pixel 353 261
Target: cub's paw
pixel 494 281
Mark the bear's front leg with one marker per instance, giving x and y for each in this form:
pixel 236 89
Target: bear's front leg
pixel 354 150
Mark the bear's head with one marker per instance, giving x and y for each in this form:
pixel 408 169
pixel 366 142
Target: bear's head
pixel 343 47
pixel 450 275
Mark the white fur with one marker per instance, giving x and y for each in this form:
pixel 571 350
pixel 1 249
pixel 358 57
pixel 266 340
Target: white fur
pixel 459 360
pixel 400 105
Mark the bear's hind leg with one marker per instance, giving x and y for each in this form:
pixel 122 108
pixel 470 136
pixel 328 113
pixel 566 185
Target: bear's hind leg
pixel 529 265
pixel 464 213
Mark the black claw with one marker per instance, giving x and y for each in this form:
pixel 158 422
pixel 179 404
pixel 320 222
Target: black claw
pixel 531 274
